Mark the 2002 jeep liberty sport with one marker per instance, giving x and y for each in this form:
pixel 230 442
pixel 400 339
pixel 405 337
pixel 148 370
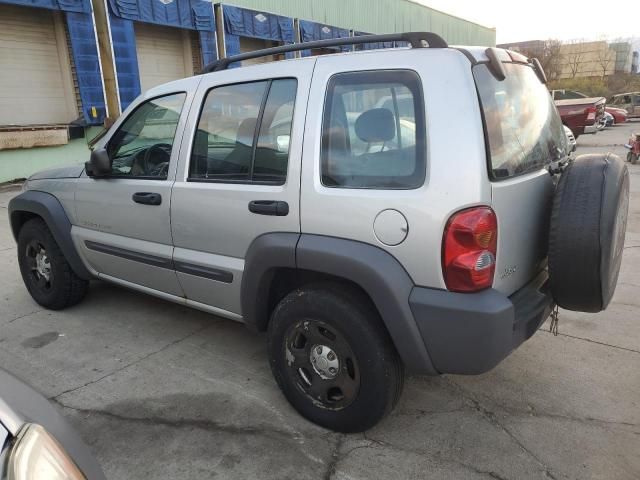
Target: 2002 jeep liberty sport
pixel 330 202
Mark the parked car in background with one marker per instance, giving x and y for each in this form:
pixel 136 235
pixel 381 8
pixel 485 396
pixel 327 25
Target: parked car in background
pixel 36 442
pixel 620 115
pixel 630 102
pixel 571 140
pixel 582 115
pixel 566 94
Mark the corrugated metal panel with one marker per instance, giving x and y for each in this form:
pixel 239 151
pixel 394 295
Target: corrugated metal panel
pixel 33 89
pixel 379 16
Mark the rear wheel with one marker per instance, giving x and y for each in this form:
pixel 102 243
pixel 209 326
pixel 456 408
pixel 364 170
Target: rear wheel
pixel 45 272
pixel 333 358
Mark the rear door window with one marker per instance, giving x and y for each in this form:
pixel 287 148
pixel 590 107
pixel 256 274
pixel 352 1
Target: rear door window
pixel 523 129
pixel 244 132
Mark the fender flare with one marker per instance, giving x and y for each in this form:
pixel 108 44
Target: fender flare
pixel 374 270
pixel 49 208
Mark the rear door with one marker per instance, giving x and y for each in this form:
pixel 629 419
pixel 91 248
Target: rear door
pixel 242 148
pixel 524 134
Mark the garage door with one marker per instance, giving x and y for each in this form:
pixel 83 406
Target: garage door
pixel 248 44
pixel 164 54
pixel 36 85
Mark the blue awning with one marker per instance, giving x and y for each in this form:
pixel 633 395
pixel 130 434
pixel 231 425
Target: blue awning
pixel 190 14
pixel 78 6
pixel 242 22
pixel 310 31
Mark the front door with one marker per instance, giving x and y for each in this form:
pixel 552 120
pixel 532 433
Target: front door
pixel 123 228
pixel 239 175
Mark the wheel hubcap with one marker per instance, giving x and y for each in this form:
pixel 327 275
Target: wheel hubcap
pixel 325 361
pixel 38 264
pixel 321 364
pixel 43 265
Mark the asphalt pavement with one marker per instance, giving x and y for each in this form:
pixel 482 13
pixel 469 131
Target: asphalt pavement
pixel 164 392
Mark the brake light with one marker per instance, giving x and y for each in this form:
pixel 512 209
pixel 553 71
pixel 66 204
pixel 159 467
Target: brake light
pixel 591 113
pixel 469 248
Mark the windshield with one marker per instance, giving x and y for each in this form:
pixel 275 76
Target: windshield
pixel 524 130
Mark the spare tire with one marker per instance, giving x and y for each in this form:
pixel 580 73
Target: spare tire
pixel 586 234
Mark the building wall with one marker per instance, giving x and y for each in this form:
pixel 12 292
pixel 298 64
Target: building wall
pixel 379 16
pixel 587 59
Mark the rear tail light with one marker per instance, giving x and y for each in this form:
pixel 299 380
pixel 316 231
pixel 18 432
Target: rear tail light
pixel 591 113
pixel 469 250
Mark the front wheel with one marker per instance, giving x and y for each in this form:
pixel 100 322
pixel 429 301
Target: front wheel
pixel 333 359
pixel 45 272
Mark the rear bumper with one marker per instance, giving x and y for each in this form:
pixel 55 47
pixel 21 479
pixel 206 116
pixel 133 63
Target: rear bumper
pixel 470 333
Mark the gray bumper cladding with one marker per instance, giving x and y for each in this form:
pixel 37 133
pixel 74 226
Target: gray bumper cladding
pixel 470 333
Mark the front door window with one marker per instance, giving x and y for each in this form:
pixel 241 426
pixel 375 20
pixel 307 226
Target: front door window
pixel 141 147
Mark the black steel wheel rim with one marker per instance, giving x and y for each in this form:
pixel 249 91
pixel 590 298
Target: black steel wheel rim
pixel 38 266
pixel 322 365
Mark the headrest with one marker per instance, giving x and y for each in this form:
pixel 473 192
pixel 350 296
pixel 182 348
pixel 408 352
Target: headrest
pixel 376 125
pixel 246 129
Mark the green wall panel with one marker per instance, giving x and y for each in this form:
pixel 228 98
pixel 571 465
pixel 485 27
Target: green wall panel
pixel 379 16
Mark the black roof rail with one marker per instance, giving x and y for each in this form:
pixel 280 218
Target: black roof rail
pixel 415 39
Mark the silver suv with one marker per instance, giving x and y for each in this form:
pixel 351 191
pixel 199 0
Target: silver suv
pixel 410 208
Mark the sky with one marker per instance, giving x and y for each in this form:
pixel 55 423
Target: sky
pixel 518 20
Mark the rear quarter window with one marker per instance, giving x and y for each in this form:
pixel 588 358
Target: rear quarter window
pixel 523 129
pixel 373 131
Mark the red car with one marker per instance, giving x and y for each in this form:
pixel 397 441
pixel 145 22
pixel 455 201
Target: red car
pixel 619 114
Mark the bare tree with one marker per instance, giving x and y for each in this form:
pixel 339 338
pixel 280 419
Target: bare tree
pixel 551 60
pixel 549 55
pixel 574 56
pixel 605 56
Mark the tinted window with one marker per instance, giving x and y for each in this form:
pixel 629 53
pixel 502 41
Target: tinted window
pixel 373 133
pixel 524 130
pixel 142 146
pixel 244 132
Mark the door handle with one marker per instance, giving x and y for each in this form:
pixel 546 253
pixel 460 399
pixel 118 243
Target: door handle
pixel 147 198
pixel 269 207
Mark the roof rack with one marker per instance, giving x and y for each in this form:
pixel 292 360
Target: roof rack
pixel 415 39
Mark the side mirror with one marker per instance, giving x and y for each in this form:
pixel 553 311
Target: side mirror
pixel 99 165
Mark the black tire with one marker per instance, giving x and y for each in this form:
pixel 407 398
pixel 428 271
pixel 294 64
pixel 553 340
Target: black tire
pixel 340 320
pixel 63 288
pixel 588 225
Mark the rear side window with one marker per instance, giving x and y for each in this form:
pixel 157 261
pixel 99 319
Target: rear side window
pixel 523 128
pixel 373 131
pixel 244 132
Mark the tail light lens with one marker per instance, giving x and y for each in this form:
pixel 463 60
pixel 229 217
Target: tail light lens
pixel 591 113
pixel 469 250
